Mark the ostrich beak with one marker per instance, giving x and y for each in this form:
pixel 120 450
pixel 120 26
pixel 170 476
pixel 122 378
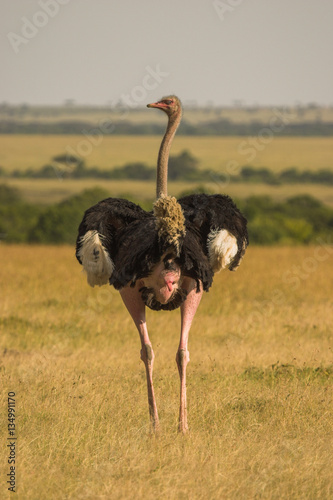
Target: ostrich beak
pixel 158 104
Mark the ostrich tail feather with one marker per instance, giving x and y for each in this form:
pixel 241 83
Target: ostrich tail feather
pixel 170 221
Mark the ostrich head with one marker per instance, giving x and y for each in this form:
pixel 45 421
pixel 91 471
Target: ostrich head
pixel 162 288
pixel 170 104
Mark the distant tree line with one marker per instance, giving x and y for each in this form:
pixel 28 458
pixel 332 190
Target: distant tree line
pixel 299 220
pixel 287 176
pixel 219 127
pixel 181 167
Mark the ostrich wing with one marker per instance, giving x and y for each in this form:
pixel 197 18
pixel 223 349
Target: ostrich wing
pixel 102 233
pixel 216 236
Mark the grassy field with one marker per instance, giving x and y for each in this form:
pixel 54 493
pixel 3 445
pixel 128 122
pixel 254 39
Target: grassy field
pixel 31 151
pixel 259 383
pixel 25 151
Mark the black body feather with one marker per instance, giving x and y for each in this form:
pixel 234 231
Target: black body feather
pixel 130 237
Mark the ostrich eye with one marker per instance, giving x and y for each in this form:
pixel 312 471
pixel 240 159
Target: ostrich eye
pixel 168 101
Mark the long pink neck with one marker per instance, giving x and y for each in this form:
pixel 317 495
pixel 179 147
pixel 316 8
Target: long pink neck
pixel 163 155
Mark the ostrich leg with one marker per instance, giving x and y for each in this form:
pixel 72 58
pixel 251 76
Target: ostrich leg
pixel 136 307
pixel 188 310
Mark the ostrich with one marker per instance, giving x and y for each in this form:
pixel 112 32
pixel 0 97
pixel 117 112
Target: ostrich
pixel 162 259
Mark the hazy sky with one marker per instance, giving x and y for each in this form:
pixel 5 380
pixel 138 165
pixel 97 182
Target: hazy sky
pixel 276 52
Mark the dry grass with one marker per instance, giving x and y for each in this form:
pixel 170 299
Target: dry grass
pixel 30 151
pixel 259 383
pixel 33 151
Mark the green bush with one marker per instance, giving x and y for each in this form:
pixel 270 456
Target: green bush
pixel 59 223
pixel 299 220
pixel 17 220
